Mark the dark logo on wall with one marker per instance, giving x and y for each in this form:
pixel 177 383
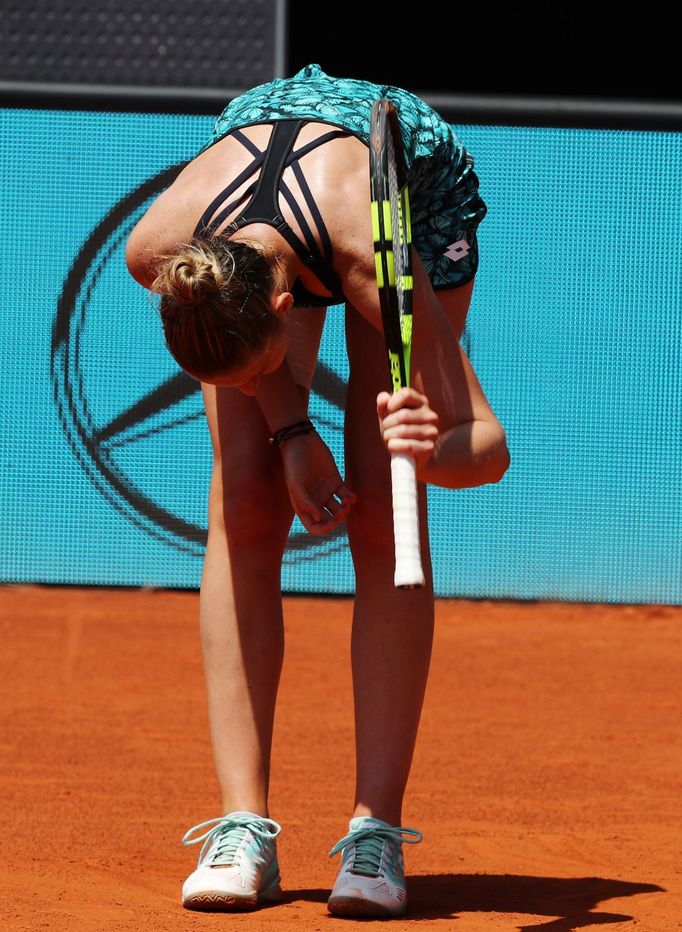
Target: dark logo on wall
pixel 127 409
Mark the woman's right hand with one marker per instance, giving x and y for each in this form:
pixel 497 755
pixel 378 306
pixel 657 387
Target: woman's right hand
pixel 317 492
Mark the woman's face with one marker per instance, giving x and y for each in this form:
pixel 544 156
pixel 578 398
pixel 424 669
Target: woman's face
pixel 247 377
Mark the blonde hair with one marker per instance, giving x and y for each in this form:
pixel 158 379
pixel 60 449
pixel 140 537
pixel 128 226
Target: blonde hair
pixel 216 305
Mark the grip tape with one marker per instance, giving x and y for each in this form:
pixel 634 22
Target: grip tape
pixel 408 567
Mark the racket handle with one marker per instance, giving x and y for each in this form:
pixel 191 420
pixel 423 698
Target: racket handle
pixel 408 562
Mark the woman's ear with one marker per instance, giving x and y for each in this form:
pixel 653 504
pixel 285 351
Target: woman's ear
pixel 284 303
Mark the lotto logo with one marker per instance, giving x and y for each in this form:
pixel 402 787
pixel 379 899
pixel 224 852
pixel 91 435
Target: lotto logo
pixel 457 250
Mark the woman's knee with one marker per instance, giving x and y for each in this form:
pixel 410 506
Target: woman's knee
pixel 249 505
pixel 370 525
pixel 370 521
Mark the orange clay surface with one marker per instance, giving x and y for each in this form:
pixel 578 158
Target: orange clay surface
pixel 546 780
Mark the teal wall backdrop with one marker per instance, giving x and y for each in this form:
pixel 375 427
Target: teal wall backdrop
pixel 574 332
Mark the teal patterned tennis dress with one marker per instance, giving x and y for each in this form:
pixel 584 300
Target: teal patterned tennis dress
pixel 445 200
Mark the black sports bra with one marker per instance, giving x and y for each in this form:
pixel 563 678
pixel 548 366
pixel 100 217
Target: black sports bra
pixel 263 206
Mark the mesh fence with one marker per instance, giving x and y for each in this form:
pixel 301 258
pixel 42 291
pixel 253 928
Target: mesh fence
pixel 574 333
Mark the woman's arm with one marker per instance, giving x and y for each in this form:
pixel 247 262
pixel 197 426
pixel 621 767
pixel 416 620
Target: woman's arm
pixel 471 454
pixel 318 494
pixel 281 400
pixel 470 448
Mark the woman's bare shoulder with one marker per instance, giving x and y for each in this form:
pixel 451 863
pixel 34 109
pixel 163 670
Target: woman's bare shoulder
pixel 157 233
pixel 166 224
pixel 171 218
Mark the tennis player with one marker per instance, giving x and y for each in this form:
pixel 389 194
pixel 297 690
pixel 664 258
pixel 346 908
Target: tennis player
pixel 264 229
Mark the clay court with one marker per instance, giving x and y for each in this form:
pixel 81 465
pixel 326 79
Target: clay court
pixel 546 778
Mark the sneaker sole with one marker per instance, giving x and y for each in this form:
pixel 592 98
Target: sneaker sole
pixel 356 907
pixel 228 903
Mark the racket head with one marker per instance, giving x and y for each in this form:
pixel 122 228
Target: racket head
pixel 392 234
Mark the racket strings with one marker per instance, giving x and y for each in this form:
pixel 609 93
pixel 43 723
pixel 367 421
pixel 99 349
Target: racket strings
pixel 397 220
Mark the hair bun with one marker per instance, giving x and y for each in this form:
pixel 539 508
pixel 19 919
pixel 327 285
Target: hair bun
pixel 190 277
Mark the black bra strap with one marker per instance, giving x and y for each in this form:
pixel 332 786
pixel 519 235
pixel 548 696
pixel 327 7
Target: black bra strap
pixel 317 267
pixel 309 146
pixel 263 206
pixel 204 225
pixel 212 227
pixel 246 142
pixel 314 210
pixel 311 242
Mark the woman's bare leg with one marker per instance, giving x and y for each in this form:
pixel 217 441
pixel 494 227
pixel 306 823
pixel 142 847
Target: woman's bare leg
pixel 392 629
pixel 242 632
pixel 240 606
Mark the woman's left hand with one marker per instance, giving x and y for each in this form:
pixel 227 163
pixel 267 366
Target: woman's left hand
pixel 318 494
pixel 408 424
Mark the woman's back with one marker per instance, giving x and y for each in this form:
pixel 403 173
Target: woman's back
pixel 335 172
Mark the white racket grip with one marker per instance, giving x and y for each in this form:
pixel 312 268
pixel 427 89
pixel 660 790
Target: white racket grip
pixel 408 561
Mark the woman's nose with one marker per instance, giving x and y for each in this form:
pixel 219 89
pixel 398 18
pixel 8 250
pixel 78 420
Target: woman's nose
pixel 250 387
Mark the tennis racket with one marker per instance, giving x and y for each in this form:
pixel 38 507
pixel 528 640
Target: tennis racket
pixel 393 263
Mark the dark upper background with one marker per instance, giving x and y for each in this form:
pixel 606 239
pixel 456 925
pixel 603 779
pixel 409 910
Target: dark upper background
pixel 563 48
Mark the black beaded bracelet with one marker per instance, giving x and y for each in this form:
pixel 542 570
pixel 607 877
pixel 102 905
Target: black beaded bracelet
pixel 292 430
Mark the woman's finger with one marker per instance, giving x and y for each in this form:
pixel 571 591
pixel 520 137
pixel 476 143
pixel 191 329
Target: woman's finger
pixel 408 431
pixel 305 506
pixel 421 415
pixel 322 527
pixel 339 503
pixel 405 398
pixel 382 400
pixel 396 445
pixel 322 518
pixel 315 520
pixel 347 496
pixel 332 505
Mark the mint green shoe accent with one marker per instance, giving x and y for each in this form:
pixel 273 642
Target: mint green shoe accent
pixel 222 842
pixel 371 879
pixel 368 835
pixel 237 867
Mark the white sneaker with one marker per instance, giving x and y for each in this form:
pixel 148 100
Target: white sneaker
pixel 371 880
pixel 237 866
